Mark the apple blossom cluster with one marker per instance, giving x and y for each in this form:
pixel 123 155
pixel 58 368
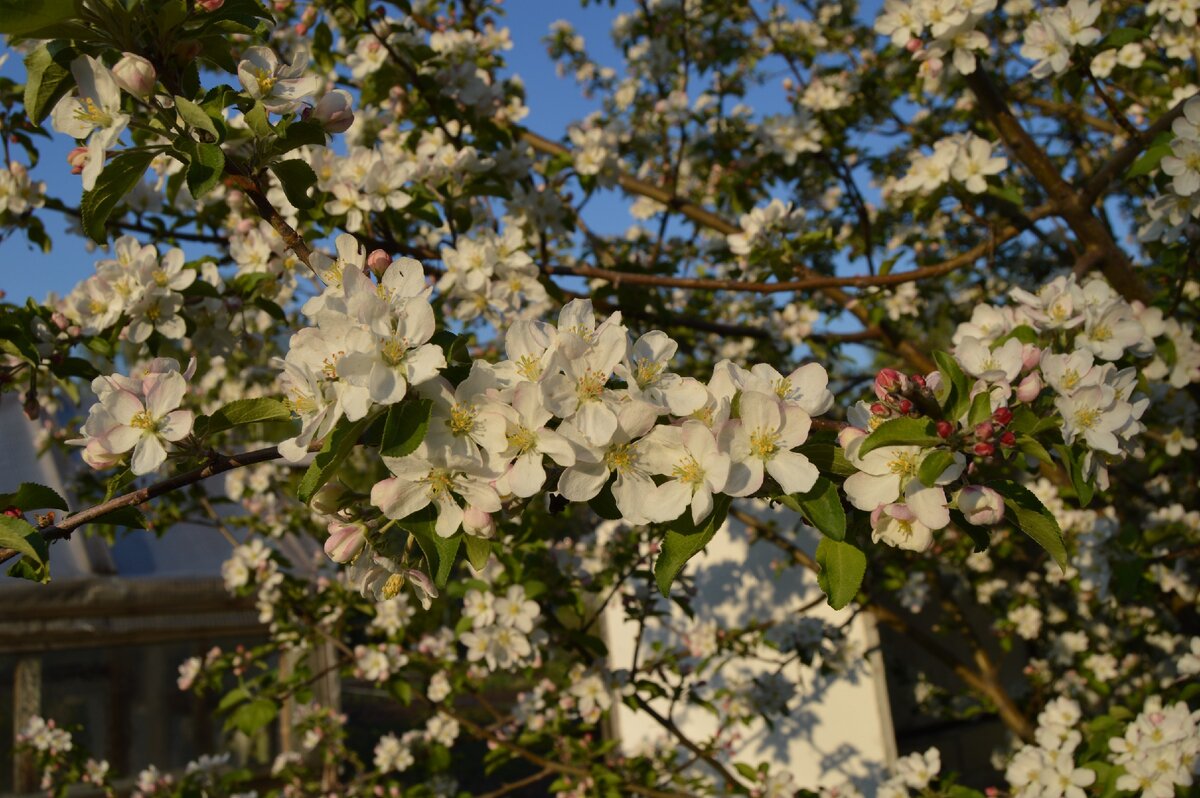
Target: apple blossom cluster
pixel 1160 749
pixel 1050 39
pixel 1055 351
pixel 139 413
pixel 19 193
pixel 1176 209
pixel 136 286
pixel 951 28
pixel 915 772
pixel 965 158
pixel 502 633
pixel 491 276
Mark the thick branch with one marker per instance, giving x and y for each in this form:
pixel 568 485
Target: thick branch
pixel 1070 204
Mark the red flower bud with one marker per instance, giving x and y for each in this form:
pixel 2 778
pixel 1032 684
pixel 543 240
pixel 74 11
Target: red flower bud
pixel 918 379
pixel 984 449
pixel 1002 416
pixel 878 409
pixel 945 429
pixel 1008 439
pixel 984 431
pixel 906 406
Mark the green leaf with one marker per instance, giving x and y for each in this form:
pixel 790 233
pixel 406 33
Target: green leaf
pixel 240 412
pixel 257 121
pixel 842 568
pixel 20 17
pixel 1022 332
pixel 1073 460
pixel 479 551
pixel 297 177
pixel 1031 447
pixel 934 464
pixel 1121 37
pixel 116 181
pixel 440 552
pixel 829 458
pixel 252 715
pixel 205 170
pixel 196 117
pixel 1033 518
pixel 31 496
pixel 981 408
pixel 1149 160
pixel 901 432
pixel 822 506
pixel 954 394
pixel 684 540
pixel 298 134
pixel 20 536
pixel 47 78
pixel 338 445
pixel 405 428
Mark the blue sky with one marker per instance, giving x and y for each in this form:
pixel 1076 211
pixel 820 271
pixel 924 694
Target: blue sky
pixel 554 103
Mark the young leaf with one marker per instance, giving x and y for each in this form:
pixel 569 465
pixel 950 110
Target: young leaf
pixel 981 408
pixel 240 412
pixel 822 507
pixel 440 552
pixel 405 428
pixel 842 568
pixel 901 432
pixel 22 537
pixel 196 117
pixel 116 181
pixel 31 496
pixel 47 78
pixel 1033 518
pixel 829 458
pixel 252 716
pixel 933 465
pixel 684 540
pixel 297 178
pixel 206 168
pixel 337 448
pixel 954 395
pixel 479 551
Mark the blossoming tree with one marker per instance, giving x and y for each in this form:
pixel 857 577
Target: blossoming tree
pixel 937 300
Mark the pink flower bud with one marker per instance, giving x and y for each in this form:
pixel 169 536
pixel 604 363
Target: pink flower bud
pixel 914 45
pixel 981 505
pixel 478 523
pixel 60 321
pixel 1031 356
pixel 1002 416
pixel 378 261
pixel 984 449
pixel 945 429
pixel 209 5
pixel 1030 387
pixel 905 406
pixel 985 431
pixel 1008 439
pixel 78 159
pixel 345 541
pixel 334 111
pixel 848 434
pixel 135 75
pixel 889 381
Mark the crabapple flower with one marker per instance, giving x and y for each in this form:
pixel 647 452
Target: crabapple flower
pixel 694 464
pixel 807 387
pixel 1096 415
pixel 136 415
pixel 529 439
pixel 418 482
pixel 93 114
pixel 345 541
pixel 761 440
pixel 280 87
pixel 645 373
pixel 897 525
pixel 890 472
pixel 586 358
pixel 626 454
pixel 1001 364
